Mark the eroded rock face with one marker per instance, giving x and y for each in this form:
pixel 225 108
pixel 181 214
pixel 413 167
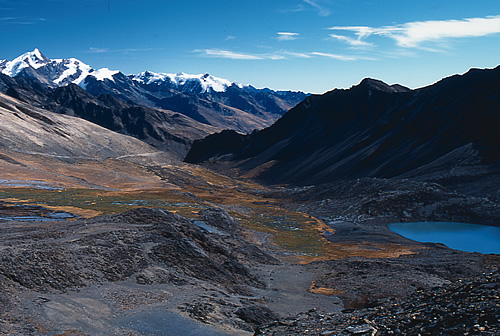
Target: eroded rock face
pixel 152 245
pixel 220 219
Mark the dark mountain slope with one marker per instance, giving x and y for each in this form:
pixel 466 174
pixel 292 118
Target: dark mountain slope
pixel 24 89
pixel 372 129
pixel 165 130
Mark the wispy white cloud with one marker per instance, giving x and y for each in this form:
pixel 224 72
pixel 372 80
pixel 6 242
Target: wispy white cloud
pixel 296 54
pixel 285 36
pixel 298 8
pixel 279 55
pixel 334 56
pixel 354 42
pixel 12 20
pixel 98 50
pixel 229 37
pixel 133 50
pixel 322 10
pixel 21 22
pixel 415 34
pixel 228 54
pixel 94 50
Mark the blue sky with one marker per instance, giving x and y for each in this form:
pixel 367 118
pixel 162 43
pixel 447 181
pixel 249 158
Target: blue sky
pixel 308 45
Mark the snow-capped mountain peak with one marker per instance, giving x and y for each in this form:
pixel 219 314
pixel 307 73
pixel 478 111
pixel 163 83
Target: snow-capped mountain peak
pixel 201 83
pixel 34 59
pixel 57 72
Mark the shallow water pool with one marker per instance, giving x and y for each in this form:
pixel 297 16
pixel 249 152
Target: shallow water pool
pixel 165 323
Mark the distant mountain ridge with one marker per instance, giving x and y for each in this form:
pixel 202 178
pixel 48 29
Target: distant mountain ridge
pixel 60 72
pixel 371 130
pixel 208 99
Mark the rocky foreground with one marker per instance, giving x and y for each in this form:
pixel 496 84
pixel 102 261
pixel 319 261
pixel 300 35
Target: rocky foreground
pixel 152 272
pixel 146 247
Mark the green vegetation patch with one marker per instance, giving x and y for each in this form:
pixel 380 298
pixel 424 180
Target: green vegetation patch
pixel 89 202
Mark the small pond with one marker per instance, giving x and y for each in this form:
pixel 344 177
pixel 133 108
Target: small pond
pixel 459 236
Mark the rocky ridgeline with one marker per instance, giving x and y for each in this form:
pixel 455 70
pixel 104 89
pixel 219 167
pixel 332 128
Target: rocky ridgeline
pixel 460 308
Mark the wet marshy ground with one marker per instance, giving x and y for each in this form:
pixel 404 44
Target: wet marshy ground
pixel 294 235
pixel 23 212
pixel 292 231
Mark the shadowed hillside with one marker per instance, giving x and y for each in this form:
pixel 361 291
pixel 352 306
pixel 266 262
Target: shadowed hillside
pixel 370 130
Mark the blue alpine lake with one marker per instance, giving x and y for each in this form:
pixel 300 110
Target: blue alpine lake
pixel 459 236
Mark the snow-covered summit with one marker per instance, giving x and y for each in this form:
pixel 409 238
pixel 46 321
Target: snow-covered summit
pixel 57 72
pixel 181 81
pixel 34 59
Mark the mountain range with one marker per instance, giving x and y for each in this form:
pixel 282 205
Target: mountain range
pixel 442 131
pixel 371 130
pixel 205 98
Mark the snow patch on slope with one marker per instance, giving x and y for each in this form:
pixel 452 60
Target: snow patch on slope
pixel 103 74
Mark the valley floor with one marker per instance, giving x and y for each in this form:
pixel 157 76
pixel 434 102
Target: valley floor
pixel 231 257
